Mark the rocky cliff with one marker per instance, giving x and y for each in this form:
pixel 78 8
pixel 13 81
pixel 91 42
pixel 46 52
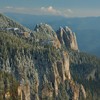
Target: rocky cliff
pixel 46 35
pixel 41 67
pixel 67 38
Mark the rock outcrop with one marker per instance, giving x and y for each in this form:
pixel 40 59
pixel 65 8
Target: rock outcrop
pixel 67 38
pixel 45 66
pixel 40 65
pixel 45 74
pixel 46 29
pixel 47 35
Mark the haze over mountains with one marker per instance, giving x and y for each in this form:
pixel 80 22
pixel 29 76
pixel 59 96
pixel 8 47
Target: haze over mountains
pixel 87 29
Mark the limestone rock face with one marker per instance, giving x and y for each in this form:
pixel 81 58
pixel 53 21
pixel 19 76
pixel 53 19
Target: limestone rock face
pixel 67 38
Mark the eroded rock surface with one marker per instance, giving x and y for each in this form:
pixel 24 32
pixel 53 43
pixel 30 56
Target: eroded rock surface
pixel 67 38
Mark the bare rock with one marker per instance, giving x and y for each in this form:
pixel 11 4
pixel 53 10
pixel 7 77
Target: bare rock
pixel 67 38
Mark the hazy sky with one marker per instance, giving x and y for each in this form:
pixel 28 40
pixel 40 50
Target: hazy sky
pixel 67 8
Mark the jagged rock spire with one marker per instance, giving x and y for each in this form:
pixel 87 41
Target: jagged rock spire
pixel 67 38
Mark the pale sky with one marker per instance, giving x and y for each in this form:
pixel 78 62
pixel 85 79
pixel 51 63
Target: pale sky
pixel 66 8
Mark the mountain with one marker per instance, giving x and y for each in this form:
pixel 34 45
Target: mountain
pixel 45 65
pixel 5 22
pixel 87 28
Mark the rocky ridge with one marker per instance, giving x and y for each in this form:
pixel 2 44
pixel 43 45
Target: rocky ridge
pixel 46 35
pixel 41 65
pixel 67 38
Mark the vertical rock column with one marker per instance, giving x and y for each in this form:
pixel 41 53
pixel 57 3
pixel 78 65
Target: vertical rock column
pixel 67 38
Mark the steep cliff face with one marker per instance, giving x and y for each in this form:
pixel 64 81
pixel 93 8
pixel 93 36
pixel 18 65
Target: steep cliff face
pixel 44 74
pixel 45 69
pixel 67 38
pixel 40 65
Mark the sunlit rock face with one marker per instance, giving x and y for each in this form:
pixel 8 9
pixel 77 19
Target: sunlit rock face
pixel 67 38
